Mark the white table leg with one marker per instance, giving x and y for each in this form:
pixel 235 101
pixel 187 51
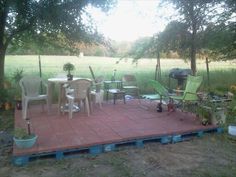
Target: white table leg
pixel 59 98
pixel 50 85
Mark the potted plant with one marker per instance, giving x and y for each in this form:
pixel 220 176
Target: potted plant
pixel 213 110
pixel 69 67
pixel 6 99
pixel 3 96
pixel 23 138
pixel 17 75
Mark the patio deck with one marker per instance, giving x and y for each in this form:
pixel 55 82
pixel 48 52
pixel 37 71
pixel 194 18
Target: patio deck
pixel 111 125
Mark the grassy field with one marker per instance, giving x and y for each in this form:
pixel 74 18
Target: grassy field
pixel 222 73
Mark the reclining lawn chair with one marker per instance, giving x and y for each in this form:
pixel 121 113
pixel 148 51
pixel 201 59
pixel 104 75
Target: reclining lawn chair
pixel 161 93
pixel 189 95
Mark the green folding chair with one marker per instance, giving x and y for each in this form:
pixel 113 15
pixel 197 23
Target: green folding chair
pixel 161 93
pixel 189 95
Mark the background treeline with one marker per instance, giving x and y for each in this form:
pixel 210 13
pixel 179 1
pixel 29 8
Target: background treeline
pixel 116 49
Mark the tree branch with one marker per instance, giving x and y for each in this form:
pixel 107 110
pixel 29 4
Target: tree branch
pixel 17 31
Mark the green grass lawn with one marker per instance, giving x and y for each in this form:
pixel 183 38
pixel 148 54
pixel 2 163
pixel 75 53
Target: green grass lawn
pixel 222 74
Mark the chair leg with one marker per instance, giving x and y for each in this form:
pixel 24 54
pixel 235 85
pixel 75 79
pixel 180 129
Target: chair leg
pixel 124 98
pixel 138 93
pixel 100 98
pixel 48 107
pixel 91 102
pixel 159 105
pixel 107 95
pixel 25 109
pixel 23 104
pixel 87 106
pixel 114 98
pixel 63 108
pixel 42 106
pixel 100 103
pixel 138 96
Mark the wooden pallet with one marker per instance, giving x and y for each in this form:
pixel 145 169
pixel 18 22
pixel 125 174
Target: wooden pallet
pixel 100 148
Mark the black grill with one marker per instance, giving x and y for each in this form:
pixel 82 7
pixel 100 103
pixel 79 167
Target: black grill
pixel 180 75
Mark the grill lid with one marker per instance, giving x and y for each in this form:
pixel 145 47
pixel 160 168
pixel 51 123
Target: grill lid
pixel 177 73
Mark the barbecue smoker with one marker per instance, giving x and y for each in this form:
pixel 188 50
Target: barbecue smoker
pixel 180 75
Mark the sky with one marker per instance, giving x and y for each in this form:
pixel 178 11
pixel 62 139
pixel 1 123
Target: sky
pixel 131 19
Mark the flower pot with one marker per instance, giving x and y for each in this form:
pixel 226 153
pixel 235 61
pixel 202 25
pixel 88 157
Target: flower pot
pixel 25 143
pixel 218 116
pixel 232 130
pixel 69 77
pixel 7 106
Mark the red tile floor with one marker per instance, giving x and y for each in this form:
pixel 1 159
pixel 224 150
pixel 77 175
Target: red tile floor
pixel 111 124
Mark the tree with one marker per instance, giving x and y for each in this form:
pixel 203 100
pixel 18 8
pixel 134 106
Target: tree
pixel 142 47
pixel 57 22
pixel 195 14
pixel 214 30
pixel 223 34
pixel 175 37
pixel 218 42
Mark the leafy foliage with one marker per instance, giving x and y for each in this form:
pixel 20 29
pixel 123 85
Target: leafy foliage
pixel 21 133
pixel 16 77
pixel 141 48
pixel 219 41
pixel 3 95
pixel 175 37
pixel 61 23
pixel 52 22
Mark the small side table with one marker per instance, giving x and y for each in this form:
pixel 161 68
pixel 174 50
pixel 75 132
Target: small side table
pixel 116 93
pixel 114 88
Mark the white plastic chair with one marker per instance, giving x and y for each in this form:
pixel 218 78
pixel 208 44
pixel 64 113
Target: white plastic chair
pixel 97 93
pixel 31 87
pixel 78 91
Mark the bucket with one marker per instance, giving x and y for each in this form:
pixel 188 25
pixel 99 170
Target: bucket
pixel 232 130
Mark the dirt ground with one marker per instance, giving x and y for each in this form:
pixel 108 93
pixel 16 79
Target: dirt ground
pixel 213 155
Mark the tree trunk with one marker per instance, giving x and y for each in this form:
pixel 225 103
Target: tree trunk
pixel 158 68
pixel 193 53
pixel 193 37
pixel 2 61
pixel 208 73
pixel 3 39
